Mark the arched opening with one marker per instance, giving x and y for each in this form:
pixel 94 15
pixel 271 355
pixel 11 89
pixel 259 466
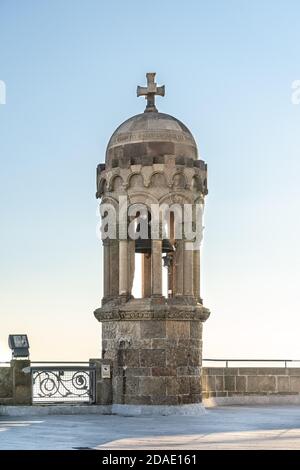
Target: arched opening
pixel 147 270
pixel 142 254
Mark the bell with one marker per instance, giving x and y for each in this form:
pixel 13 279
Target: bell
pixel 144 246
pixel 166 246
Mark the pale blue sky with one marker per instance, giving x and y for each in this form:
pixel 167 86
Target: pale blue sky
pixel 71 68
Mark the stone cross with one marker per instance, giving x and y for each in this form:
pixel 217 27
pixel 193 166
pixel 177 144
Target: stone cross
pixel 150 91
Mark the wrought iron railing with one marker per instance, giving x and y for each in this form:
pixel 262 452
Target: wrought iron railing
pixel 227 361
pixel 63 383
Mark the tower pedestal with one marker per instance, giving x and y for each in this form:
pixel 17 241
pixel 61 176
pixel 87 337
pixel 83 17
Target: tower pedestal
pixel 155 346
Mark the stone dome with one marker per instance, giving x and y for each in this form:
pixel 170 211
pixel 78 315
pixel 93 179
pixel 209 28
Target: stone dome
pixel 147 138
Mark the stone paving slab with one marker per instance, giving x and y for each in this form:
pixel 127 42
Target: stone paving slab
pixel 275 427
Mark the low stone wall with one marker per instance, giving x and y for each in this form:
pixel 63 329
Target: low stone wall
pixel 250 385
pixel 220 386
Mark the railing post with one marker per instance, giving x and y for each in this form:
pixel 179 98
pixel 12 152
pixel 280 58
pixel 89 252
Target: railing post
pixel 103 383
pixel 226 363
pixel 22 385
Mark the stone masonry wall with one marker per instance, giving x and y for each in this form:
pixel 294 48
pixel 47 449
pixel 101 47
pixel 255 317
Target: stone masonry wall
pixel 155 362
pixel 222 382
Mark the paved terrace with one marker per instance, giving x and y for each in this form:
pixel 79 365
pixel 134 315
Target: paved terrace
pixel 220 428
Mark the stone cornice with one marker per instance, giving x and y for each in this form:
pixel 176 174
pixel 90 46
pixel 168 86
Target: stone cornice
pixel 179 312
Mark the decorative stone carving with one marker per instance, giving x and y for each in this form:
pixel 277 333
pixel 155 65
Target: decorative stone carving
pixel 179 181
pixel 136 181
pixel 117 183
pixel 158 180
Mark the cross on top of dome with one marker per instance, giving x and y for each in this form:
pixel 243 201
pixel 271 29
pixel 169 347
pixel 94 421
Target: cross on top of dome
pixel 150 91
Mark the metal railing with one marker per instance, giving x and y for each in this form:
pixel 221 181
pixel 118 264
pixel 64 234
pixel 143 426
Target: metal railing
pixel 63 383
pixel 227 361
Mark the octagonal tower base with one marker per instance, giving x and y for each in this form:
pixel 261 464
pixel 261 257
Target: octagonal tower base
pixel 155 346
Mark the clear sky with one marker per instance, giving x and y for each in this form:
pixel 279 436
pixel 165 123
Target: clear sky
pixel 71 68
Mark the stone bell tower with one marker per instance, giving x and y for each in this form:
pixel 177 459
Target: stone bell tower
pixel 154 341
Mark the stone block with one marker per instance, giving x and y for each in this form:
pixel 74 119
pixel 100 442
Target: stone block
pixel 231 371
pixel 158 343
pixel 143 343
pixel 109 344
pixel 138 400
pixel 185 399
pixel 241 383
pixel 196 329
pixel 164 400
pixel 109 330
pixel 150 386
pixel 195 385
pixel 138 372
pixel 229 383
pixel 131 385
pixel 128 357
pixel 189 343
pixel 295 371
pixel 295 384
pixel 178 385
pixel 197 398
pixel 259 384
pixel 213 370
pixel 283 384
pixel 271 371
pixel 219 383
pixel 153 329
pixel 178 329
pixel 177 358
pixel 194 357
pixel 127 330
pixel 152 358
pixel 247 371
pixel 210 385
pixel 191 370
pixel 164 371
pixel 163 343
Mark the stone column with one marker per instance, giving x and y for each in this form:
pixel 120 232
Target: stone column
pixel 196 277
pixel 146 275
pixel 171 269
pixel 131 264
pixel 123 267
pixel 178 260
pixel 114 267
pixel 171 278
pixel 156 259
pixel 106 268
pixel 187 269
